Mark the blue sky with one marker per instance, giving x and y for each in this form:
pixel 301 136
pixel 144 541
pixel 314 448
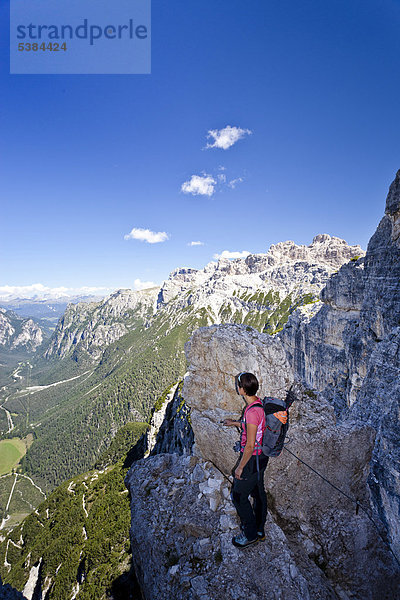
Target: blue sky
pixel 86 159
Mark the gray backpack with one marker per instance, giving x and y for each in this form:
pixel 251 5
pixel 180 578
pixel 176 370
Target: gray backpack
pixel 276 423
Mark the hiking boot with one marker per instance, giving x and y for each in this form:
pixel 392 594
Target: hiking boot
pixel 241 541
pixel 260 536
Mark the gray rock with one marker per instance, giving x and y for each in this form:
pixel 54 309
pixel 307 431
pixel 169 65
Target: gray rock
pixel 349 353
pixel 170 428
pixel 193 559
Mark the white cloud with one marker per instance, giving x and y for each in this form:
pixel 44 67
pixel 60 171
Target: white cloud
pixel 143 285
pixel 199 185
pixel 221 177
pixel 196 244
pixel 145 235
pixel 226 137
pixel 40 291
pixel 229 254
pixel 233 182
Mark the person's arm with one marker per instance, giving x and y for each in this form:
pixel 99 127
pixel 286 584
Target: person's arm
pixel 231 423
pixel 248 449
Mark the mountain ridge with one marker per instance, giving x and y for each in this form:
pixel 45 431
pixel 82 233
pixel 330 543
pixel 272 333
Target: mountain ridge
pixel 220 289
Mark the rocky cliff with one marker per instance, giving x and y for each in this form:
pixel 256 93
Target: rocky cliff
pixel 9 593
pixel 350 353
pixel 170 428
pixel 344 355
pixel 17 333
pixel 92 326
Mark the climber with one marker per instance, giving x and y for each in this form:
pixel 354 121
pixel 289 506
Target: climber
pixel 249 472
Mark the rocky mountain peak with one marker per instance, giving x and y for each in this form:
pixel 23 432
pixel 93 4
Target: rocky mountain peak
pixel 94 325
pixel 19 333
pixel 324 249
pixel 393 208
pixel 393 197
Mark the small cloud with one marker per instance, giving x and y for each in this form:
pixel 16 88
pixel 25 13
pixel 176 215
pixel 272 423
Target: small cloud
pixel 229 254
pixel 221 168
pixel 143 285
pixel 221 177
pixel 226 137
pixel 145 235
pixel 196 244
pixel 199 185
pixel 233 183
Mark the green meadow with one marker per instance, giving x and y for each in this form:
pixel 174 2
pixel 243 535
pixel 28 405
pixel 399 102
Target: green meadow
pixel 11 452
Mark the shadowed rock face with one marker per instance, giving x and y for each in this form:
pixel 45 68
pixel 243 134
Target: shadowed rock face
pixel 170 430
pixel 350 353
pixel 9 593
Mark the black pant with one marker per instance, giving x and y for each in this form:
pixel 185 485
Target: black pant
pixel 252 484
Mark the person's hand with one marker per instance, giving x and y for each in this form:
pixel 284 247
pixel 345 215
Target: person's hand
pixel 229 422
pixel 238 472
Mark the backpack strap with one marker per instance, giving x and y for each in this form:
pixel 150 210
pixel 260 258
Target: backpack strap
pixel 257 445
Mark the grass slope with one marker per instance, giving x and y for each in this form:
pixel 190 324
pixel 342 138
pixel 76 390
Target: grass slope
pixel 11 452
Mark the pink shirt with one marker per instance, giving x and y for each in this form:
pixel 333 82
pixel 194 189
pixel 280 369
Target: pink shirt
pixel 255 416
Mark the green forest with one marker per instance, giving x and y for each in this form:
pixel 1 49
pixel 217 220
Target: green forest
pixel 80 532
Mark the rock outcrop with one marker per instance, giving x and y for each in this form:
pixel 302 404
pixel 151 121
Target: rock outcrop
pixel 215 354
pixel 182 525
pixel 17 333
pixel 92 326
pixel 170 428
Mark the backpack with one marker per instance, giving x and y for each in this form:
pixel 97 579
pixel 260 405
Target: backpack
pixel 276 423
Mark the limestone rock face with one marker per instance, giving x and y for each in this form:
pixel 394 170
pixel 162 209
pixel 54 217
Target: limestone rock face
pixel 6 329
pixel 286 268
pixel 170 428
pixel 215 355
pixel 378 403
pixel 92 326
pixel 17 333
pixel 349 352
pixel 31 336
pixel 326 249
pixel 182 525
